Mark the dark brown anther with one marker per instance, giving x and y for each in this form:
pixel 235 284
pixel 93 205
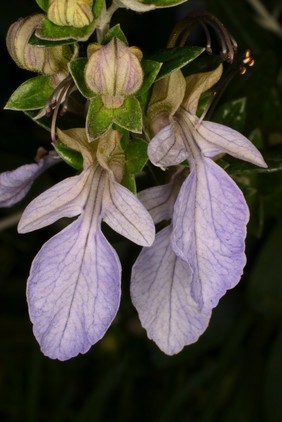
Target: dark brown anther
pixel 207 22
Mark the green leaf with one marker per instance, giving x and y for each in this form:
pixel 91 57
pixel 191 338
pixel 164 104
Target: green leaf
pixel 99 118
pixel 136 155
pixel 76 68
pixel 49 31
pixel 43 4
pixel 203 102
pixel 128 181
pixel 71 157
pixel 232 114
pixel 202 64
pixel 33 94
pixel 265 287
pixel 175 58
pixel 115 32
pixel 129 115
pixel 151 69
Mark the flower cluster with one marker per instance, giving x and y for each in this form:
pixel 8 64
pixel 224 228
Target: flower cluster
pixel 134 109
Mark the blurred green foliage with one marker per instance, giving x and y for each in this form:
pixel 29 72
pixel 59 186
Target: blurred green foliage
pixel 234 372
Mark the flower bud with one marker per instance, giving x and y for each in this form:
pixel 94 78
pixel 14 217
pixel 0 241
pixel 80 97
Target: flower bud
pixel 48 61
pixel 77 13
pixel 114 72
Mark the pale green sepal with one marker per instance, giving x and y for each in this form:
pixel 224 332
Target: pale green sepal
pixel 98 120
pixel 115 32
pixel 49 31
pixel 76 68
pixel 71 157
pixel 129 115
pixel 196 85
pixel 33 94
pixel 175 58
pixel 165 100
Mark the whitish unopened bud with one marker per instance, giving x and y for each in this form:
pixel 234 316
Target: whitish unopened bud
pixel 77 13
pixel 114 72
pixel 48 61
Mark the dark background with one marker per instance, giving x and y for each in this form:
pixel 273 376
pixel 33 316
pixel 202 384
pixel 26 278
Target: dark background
pixel 234 372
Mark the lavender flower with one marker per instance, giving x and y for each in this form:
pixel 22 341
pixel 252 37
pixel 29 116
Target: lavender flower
pixel 73 289
pixel 161 281
pixel 15 184
pixel 209 218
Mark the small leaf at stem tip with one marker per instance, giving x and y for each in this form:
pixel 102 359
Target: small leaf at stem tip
pixel 71 157
pixel 76 68
pixel 175 58
pixel 115 32
pixel 33 94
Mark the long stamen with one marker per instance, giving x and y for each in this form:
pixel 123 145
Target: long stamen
pixel 65 104
pixel 199 17
pixel 208 37
pixel 62 94
pixel 227 50
pixel 53 100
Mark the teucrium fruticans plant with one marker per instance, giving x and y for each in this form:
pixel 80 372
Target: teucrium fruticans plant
pixel 132 109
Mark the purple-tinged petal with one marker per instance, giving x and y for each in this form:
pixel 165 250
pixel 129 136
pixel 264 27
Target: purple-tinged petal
pixel 166 148
pixel 214 139
pixel 159 200
pixel 15 184
pixel 125 214
pixel 73 291
pixel 161 293
pixel 65 199
pixel 209 221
